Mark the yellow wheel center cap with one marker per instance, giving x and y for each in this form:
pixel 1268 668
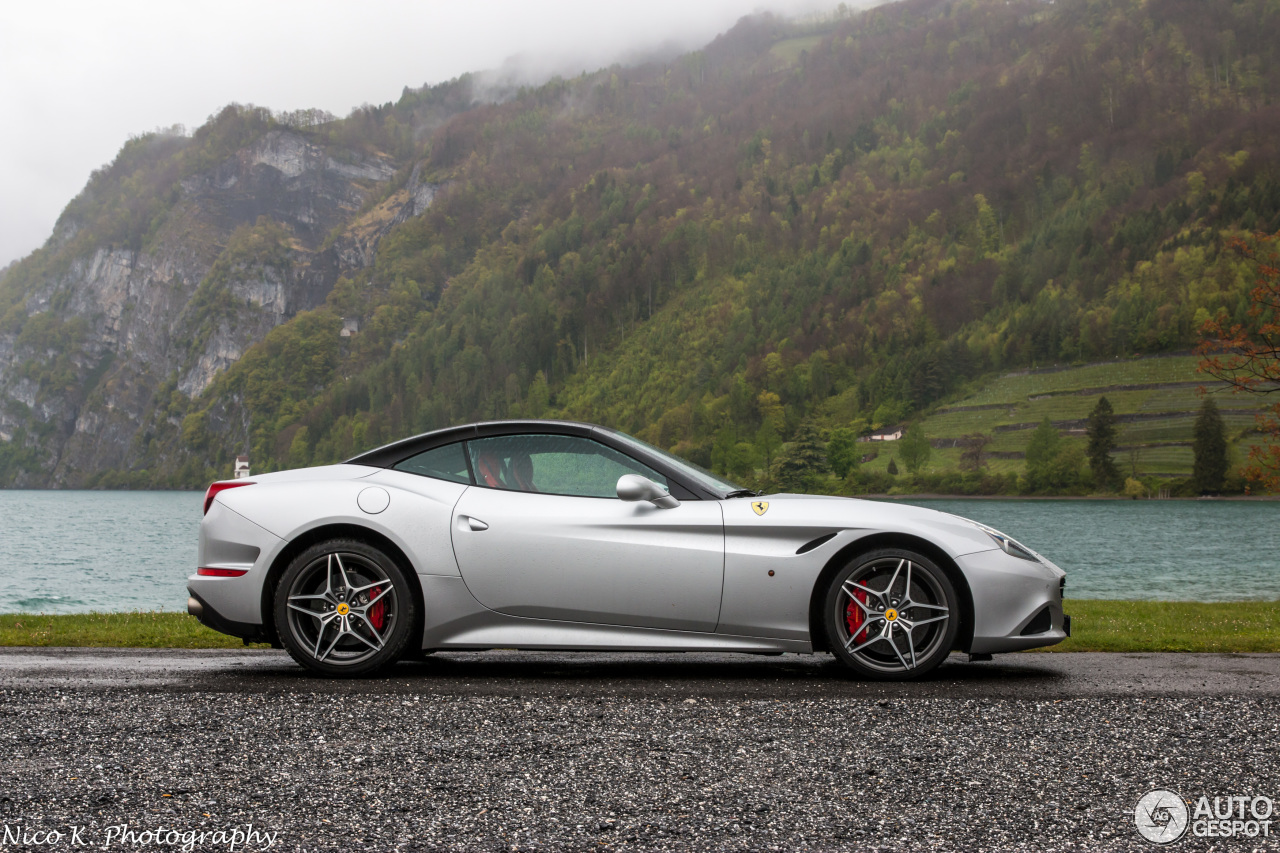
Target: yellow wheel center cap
pixel 891 614
pixel 343 609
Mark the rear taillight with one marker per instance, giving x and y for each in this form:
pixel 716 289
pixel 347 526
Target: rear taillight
pixel 221 486
pixel 221 573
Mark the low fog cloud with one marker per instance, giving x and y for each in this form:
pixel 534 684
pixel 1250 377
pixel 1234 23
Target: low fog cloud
pixel 76 79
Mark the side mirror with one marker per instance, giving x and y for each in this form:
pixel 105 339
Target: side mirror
pixel 633 487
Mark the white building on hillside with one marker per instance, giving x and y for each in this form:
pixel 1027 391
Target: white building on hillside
pixel 884 436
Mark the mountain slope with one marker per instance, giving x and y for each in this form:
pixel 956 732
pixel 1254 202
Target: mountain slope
pixel 1156 401
pixel 845 220
pixel 176 258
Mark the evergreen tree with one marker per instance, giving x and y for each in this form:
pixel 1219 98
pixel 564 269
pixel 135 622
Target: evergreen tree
pixel 539 395
pixel 893 467
pixel 722 448
pixel 804 461
pixel 842 451
pixel 1164 167
pixel 1042 449
pixel 768 440
pixel 1210 448
pixel 914 448
pixel 1102 440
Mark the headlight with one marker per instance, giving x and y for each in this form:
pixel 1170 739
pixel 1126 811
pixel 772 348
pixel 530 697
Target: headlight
pixel 1010 546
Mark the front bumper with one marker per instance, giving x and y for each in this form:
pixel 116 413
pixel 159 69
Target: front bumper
pixel 1017 604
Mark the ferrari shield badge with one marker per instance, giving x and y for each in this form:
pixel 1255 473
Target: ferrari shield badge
pixel 761 507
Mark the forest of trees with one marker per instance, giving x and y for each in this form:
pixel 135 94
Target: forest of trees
pixel 742 257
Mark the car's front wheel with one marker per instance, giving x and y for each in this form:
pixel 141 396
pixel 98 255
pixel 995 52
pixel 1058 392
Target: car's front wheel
pixel 344 608
pixel 891 614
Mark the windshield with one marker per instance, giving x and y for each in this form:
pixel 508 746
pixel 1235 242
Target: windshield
pixel 714 482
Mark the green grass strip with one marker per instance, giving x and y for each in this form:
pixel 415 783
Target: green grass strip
pixel 1171 626
pixel 1098 626
pixel 112 630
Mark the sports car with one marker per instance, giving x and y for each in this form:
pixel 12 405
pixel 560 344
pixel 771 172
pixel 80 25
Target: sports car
pixel 570 536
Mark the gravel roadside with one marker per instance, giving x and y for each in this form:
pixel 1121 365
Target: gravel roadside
pixel 580 760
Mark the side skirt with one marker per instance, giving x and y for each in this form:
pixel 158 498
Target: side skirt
pixel 455 620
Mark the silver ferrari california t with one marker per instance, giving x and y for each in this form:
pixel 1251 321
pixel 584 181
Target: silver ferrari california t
pixel 568 536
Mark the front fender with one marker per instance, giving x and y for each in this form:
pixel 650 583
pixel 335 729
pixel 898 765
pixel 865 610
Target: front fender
pixel 757 603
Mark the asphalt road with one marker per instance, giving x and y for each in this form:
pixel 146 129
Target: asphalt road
pixel 500 751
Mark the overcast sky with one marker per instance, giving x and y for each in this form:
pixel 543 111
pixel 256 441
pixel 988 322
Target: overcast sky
pixel 77 78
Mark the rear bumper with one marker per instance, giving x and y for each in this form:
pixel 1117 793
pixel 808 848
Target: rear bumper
pixel 232 605
pixel 211 618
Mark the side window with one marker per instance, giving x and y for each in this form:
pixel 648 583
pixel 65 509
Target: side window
pixel 443 463
pixel 553 464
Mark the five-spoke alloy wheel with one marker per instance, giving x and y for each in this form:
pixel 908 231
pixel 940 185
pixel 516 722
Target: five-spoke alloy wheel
pixel 891 614
pixel 343 607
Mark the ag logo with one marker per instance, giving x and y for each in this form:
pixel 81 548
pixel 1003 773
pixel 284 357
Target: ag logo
pixel 1161 817
pixel 761 507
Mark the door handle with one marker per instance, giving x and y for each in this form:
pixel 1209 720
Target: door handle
pixel 476 524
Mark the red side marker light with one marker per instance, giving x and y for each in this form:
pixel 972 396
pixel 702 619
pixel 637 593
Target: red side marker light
pixel 221 486
pixel 221 573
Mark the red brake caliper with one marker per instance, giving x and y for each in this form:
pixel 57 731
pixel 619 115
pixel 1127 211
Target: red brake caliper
pixel 854 617
pixel 377 613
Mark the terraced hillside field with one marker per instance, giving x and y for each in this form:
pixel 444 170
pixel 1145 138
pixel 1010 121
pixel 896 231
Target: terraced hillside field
pixel 1155 399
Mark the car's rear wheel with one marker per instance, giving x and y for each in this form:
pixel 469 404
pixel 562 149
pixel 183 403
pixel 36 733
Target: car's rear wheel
pixel 344 608
pixel 891 614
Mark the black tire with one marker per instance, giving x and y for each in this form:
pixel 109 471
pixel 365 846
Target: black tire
pixel 879 631
pixel 352 627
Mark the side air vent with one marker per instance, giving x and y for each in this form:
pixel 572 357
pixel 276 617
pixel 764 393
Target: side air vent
pixel 1042 622
pixel 814 543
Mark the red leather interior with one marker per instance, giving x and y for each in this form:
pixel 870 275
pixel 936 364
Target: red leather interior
pixel 488 467
pixel 522 473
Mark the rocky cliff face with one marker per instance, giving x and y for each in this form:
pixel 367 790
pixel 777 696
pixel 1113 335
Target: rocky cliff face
pixel 93 352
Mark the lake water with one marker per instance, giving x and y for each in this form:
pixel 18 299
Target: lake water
pixel 1161 550
pixel 72 552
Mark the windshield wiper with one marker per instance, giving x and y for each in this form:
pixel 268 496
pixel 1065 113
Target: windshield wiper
pixel 743 493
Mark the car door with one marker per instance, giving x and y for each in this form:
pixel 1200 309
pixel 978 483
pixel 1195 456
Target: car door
pixel 544 535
